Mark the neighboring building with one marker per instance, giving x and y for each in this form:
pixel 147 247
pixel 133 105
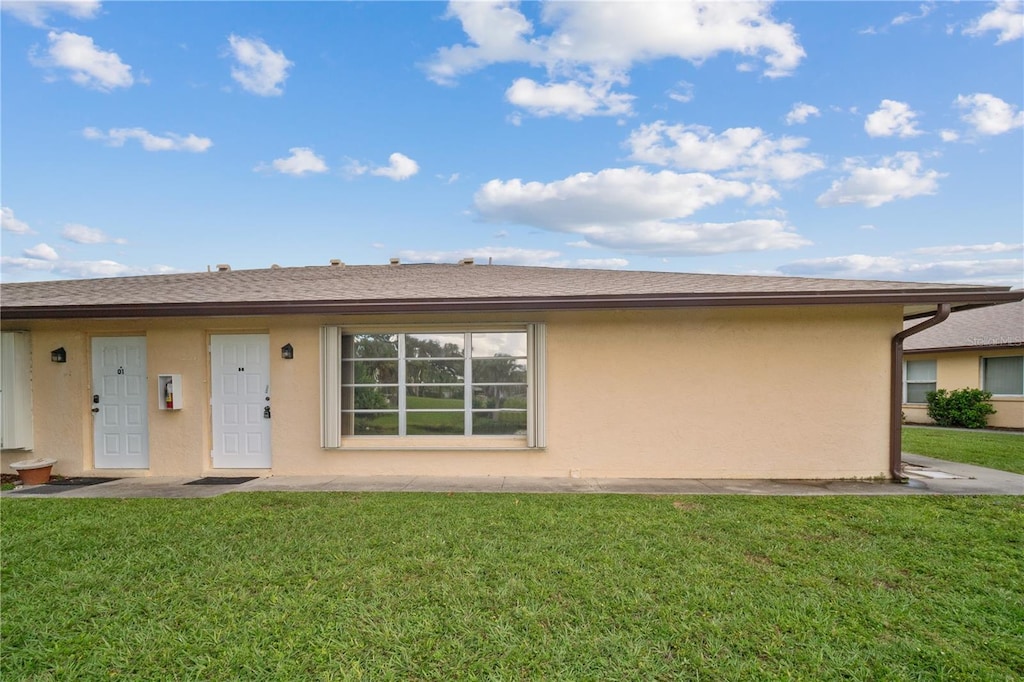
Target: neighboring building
pixel 979 348
pixel 460 370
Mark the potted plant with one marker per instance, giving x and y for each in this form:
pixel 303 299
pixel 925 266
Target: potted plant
pixel 34 471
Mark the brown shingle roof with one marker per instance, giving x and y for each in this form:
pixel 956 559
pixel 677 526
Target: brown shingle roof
pixel 999 325
pixel 374 288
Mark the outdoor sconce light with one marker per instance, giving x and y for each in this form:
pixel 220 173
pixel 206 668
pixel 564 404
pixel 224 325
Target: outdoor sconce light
pixel 59 355
pixel 287 352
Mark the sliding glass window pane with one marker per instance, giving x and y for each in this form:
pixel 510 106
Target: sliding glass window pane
pixel 372 398
pixel 495 371
pixel 435 371
pixel 435 423
pixel 494 397
pixel 370 346
pixel 435 345
pixel 1004 376
pixel 369 423
pixel 920 370
pixel 499 344
pixel 499 423
pixel 916 393
pixel 369 372
pixel 435 397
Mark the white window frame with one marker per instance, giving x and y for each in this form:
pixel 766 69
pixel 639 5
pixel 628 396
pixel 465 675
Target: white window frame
pixel 907 381
pixel 982 382
pixel 331 383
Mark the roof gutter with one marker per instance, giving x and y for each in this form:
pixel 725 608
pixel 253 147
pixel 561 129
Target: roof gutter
pixel 896 391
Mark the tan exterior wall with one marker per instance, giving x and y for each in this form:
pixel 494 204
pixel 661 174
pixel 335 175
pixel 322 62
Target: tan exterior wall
pixel 697 393
pixel 962 369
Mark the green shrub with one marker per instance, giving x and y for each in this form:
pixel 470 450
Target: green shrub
pixel 965 407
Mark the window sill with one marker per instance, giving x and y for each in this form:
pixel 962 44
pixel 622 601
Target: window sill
pixel 434 443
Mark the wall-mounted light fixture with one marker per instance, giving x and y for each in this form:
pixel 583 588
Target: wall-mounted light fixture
pixel 58 355
pixel 287 352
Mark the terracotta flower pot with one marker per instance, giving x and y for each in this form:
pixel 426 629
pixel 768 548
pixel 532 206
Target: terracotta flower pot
pixel 34 471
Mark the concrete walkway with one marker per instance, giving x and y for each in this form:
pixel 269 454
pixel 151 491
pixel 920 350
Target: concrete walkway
pixel 927 477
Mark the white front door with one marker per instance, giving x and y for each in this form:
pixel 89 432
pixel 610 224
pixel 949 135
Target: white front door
pixel 240 386
pixel 119 405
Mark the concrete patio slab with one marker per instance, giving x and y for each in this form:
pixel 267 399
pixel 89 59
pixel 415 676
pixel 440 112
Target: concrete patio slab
pixel 945 478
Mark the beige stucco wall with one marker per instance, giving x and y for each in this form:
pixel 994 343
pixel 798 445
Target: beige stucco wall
pixel 962 369
pixel 703 393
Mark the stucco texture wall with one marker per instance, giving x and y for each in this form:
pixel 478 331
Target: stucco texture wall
pixel 962 369
pixel 695 393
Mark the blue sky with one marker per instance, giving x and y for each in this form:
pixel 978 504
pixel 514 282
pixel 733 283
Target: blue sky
pixel 866 140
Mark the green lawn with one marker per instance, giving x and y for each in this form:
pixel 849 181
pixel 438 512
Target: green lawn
pixel 1004 451
pixel 399 586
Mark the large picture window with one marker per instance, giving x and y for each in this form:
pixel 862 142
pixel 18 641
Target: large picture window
pixel 1003 376
pixel 919 379
pixel 436 383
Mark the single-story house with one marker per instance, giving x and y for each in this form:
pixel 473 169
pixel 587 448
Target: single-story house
pixel 475 370
pixel 979 348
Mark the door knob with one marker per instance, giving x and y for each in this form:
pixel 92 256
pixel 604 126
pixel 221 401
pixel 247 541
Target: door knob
pixel 95 410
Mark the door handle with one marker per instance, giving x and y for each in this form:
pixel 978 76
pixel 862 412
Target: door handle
pixel 95 410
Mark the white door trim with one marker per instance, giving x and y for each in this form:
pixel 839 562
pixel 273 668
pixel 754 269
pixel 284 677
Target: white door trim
pixel 240 401
pixel 120 405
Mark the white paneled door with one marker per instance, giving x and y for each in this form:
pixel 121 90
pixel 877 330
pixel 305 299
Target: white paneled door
pixel 240 387
pixel 120 421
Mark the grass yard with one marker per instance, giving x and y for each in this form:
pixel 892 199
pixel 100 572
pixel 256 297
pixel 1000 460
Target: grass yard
pixel 342 586
pixel 1003 451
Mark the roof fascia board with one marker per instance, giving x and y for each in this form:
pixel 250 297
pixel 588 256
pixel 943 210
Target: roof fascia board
pixel 957 349
pixel 257 308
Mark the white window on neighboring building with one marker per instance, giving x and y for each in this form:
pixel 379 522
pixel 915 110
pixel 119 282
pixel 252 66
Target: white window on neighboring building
pixel 918 380
pixel 447 382
pixel 1004 375
pixel 15 391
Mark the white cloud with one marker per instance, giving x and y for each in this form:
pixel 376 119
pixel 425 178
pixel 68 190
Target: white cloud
pixel 90 66
pixel 302 160
pixel 634 211
pixel 42 252
pixel 897 177
pixel 1005 271
pixel 37 13
pixel 499 255
pixel 592 46
pixel 988 114
pixel 949 135
pixel 892 118
pixel 906 17
pixel 1006 17
pixel 682 92
pixel 116 137
pixel 82 234
pixel 38 268
pixel 801 112
pixel 994 247
pixel 259 69
pixel 743 152
pixel 400 167
pixel 601 263
pixel 571 99
pixel 497 32
pixel 511 256
pixel 11 224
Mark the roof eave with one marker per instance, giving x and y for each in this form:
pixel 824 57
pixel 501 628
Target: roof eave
pixel 959 297
pixel 959 349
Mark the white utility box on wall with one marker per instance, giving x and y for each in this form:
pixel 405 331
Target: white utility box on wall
pixel 168 392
